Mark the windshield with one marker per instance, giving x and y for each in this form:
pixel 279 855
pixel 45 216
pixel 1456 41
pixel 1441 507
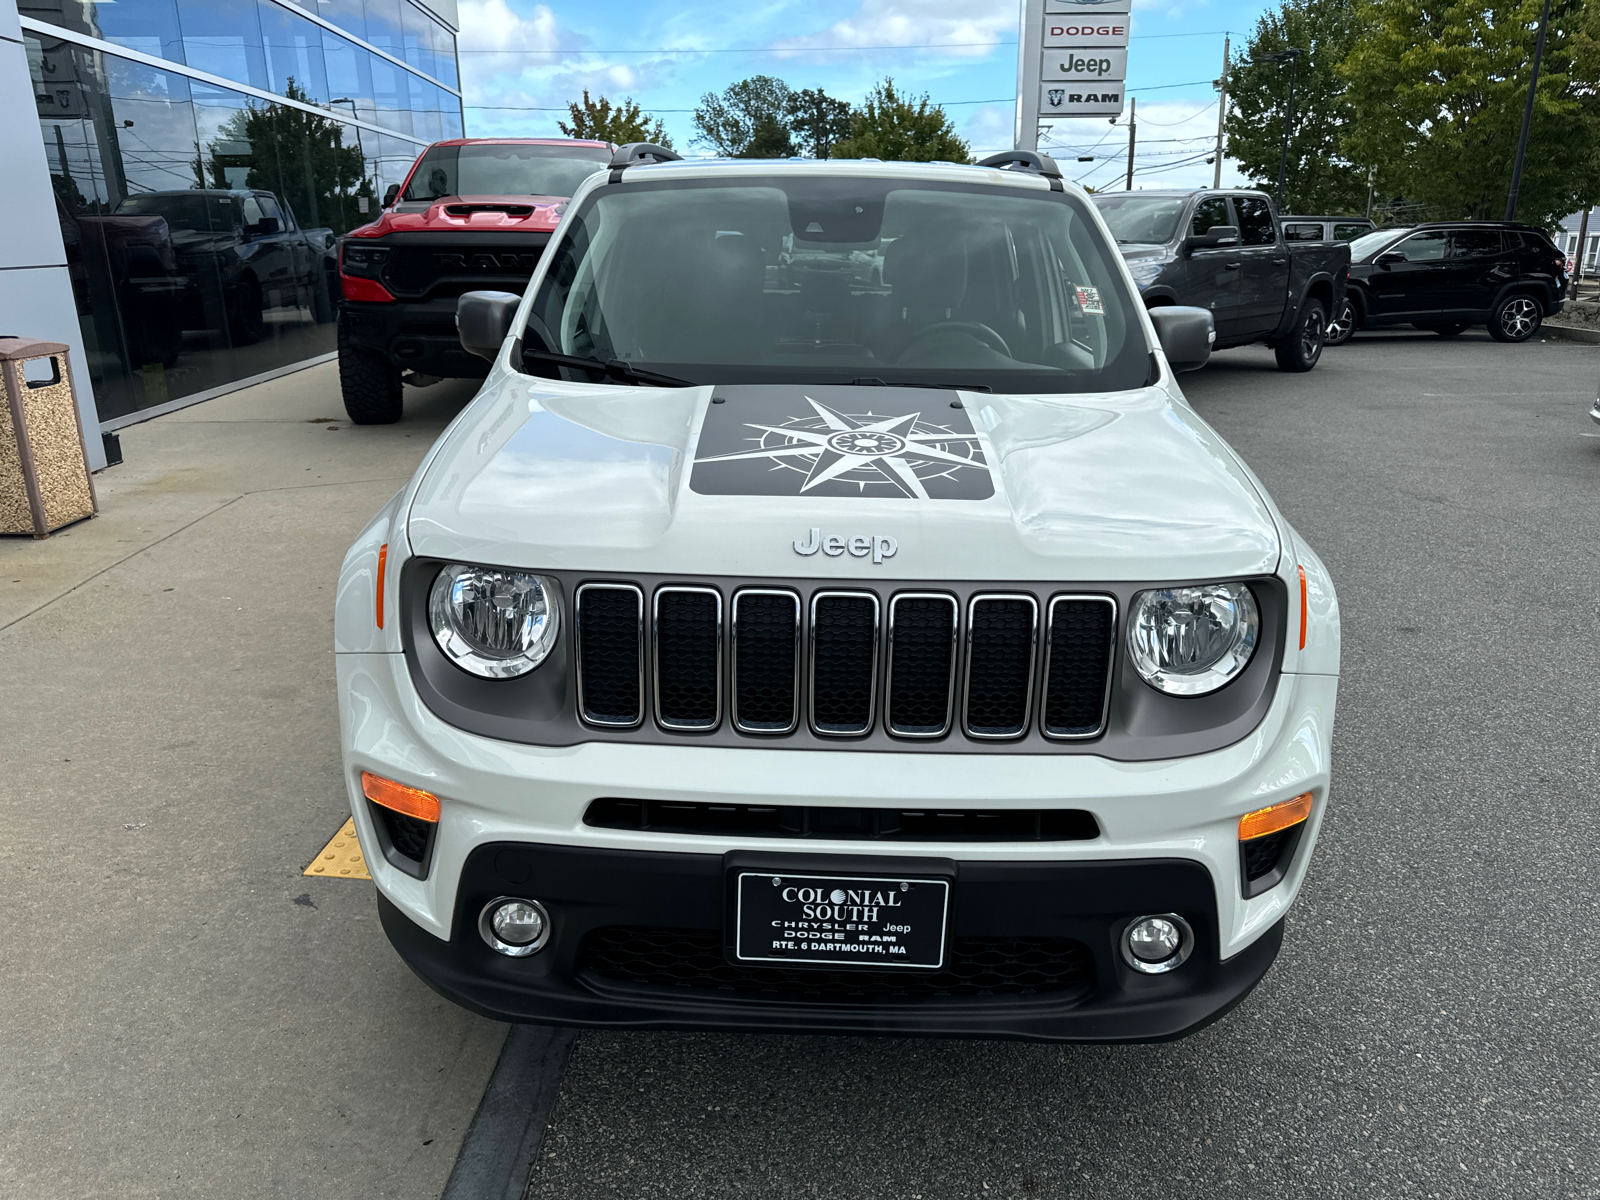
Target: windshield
pixel 194 211
pixel 1136 218
pixel 1376 240
pixel 835 279
pixel 503 169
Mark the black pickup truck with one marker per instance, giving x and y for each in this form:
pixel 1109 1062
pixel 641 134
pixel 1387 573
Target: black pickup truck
pixel 1224 251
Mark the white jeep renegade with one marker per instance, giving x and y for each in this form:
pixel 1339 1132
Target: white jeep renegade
pixel 830 616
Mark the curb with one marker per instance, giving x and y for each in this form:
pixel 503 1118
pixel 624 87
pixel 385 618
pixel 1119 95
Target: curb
pixel 1569 334
pixel 497 1154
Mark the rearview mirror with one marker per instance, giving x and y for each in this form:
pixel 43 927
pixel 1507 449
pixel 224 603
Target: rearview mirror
pixel 483 319
pixel 1185 335
pixel 389 194
pixel 1217 235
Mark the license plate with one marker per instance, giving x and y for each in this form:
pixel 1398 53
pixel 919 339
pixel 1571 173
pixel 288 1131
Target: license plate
pixel 841 920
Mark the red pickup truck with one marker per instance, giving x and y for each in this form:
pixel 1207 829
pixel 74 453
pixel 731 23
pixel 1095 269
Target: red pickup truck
pixel 474 213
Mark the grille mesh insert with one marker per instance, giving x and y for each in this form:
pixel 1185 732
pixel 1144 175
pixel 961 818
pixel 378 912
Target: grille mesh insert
pixel 608 654
pixel 1080 663
pixel 844 642
pixel 922 652
pixel 1000 665
pixel 766 632
pixel 688 645
pixel 975 966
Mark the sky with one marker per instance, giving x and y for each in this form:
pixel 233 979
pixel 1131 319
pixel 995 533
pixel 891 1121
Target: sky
pixel 523 61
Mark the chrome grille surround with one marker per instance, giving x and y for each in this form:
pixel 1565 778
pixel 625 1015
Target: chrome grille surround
pixel 655 659
pixel 950 681
pixel 836 729
pixel 733 665
pixel 578 640
pixel 996 733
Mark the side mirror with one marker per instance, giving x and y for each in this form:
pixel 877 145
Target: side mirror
pixel 389 195
pixel 1185 334
pixel 483 321
pixel 1389 257
pixel 265 226
pixel 1217 235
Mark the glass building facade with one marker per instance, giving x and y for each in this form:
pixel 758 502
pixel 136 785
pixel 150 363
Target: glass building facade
pixel 207 154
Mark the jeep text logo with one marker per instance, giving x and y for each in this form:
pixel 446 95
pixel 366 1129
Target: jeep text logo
pixel 506 262
pixel 879 546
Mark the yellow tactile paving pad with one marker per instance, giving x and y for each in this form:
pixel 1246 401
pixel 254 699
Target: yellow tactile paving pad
pixel 341 858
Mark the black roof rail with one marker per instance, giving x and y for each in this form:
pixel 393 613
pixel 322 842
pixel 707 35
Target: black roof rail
pixel 635 153
pixel 1026 160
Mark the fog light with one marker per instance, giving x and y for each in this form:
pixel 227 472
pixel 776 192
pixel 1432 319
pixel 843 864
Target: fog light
pixel 513 927
pixel 1157 944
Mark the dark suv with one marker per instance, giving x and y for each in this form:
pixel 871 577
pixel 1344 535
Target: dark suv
pixel 1449 275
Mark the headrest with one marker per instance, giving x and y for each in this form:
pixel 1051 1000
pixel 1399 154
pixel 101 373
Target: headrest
pixel 927 269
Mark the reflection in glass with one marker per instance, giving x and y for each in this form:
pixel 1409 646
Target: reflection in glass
pixel 383 26
pixel 349 15
pixel 391 89
pixel 294 54
pixel 148 26
pixel 349 77
pixel 223 37
pixel 417 33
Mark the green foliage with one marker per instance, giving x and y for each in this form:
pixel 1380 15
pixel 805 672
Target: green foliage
pixel 893 127
pixel 748 120
pixel 299 157
pixel 819 120
pixel 601 121
pixel 1438 89
pixel 1318 179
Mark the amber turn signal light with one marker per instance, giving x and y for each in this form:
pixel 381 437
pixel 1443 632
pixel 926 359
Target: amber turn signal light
pixel 1272 820
pixel 414 802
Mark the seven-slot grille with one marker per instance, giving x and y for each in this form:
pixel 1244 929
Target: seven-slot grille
pixel 935 667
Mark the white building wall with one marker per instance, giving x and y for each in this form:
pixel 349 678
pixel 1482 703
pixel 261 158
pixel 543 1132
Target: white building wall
pixel 35 291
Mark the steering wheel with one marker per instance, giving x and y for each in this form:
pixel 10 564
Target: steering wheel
pixel 977 329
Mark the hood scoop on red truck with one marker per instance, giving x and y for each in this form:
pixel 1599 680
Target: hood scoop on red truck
pixel 510 210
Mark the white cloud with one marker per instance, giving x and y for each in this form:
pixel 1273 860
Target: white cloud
pixel 960 26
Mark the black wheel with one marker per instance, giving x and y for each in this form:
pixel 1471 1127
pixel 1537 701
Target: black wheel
pixel 1343 326
pixel 369 385
pixel 1301 349
pixel 1515 319
pixel 247 322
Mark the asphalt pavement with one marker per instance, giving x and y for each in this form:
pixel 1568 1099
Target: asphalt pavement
pixel 1430 1028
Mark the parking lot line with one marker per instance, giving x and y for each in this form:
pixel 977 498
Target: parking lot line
pixel 341 857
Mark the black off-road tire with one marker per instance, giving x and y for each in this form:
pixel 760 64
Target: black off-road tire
pixel 323 309
pixel 369 385
pixel 1342 326
pixel 1516 318
pixel 1303 347
pixel 247 321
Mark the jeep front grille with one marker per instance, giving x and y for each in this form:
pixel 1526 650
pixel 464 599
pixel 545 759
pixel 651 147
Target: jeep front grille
pixel 832 654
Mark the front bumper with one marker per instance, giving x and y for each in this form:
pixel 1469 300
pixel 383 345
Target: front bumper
pixel 415 336
pixel 599 899
pixel 1179 812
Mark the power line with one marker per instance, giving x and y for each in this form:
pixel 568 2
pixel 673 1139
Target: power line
pixel 811 49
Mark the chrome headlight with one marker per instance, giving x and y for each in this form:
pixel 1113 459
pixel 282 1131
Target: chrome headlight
pixel 1189 641
pixel 492 623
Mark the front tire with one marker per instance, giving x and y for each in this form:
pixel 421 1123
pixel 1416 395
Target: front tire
pixel 1343 326
pixel 1301 349
pixel 369 385
pixel 1516 318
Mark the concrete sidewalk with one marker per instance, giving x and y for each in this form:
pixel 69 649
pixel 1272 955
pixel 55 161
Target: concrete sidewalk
pixel 181 1012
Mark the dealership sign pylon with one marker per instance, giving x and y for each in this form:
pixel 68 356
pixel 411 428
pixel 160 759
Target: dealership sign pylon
pixel 1072 62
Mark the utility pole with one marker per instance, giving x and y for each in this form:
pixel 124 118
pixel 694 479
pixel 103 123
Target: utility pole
pixel 1527 115
pixel 1222 111
pixel 1577 256
pixel 1288 121
pixel 1133 132
pixel 1372 178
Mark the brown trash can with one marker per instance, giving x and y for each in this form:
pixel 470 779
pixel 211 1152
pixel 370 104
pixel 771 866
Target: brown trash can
pixel 44 467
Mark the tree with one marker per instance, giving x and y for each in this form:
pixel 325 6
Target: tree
pixel 749 120
pixel 1438 89
pixel 620 124
pixel 893 127
pixel 819 120
pixel 1318 179
pixel 299 157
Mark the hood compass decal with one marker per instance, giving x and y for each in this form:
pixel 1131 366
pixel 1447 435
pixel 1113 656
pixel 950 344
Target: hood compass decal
pixel 862 443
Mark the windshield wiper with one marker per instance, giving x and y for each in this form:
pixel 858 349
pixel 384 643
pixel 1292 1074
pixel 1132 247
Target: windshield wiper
pixel 615 368
pixel 874 381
